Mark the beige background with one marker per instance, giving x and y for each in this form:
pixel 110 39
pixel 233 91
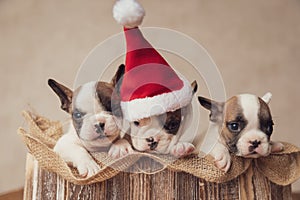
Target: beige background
pixel 255 44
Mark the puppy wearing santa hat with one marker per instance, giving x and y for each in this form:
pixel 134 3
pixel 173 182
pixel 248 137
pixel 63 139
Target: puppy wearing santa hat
pixel 155 99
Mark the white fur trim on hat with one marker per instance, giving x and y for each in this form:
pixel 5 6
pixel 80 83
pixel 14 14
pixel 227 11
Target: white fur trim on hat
pixel 128 13
pixel 150 106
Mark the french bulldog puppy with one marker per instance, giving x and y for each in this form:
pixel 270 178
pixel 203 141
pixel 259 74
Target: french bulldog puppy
pixel 245 125
pixel 161 134
pixel 93 126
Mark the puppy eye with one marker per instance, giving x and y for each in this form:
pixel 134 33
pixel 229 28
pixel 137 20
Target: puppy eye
pixel 269 129
pixel 77 115
pixel 172 127
pixel 234 127
pixel 136 123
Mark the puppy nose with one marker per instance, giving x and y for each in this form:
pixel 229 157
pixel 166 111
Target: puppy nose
pixel 99 127
pixel 255 143
pixel 152 144
pixel 150 139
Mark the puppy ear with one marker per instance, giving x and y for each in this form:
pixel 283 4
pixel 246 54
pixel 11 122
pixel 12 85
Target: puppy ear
pixel 194 86
pixel 115 98
pixel 117 79
pixel 267 97
pixel 65 94
pixel 216 108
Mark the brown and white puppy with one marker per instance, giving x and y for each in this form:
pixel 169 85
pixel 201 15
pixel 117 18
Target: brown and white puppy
pixel 245 125
pixel 162 134
pixel 93 127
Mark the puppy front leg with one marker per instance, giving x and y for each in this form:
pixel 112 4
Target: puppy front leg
pixel 182 149
pixel 221 156
pixel 71 151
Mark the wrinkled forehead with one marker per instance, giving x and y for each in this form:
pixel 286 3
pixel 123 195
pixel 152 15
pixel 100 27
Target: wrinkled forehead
pixel 250 106
pixel 93 96
pixel 84 97
pixel 246 106
pixel 233 109
pixel 175 115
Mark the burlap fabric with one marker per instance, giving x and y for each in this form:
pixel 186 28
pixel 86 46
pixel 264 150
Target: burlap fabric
pixel 282 168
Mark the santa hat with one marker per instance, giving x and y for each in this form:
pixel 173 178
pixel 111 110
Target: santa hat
pixel 150 86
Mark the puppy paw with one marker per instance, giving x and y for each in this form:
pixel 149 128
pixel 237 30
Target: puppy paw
pixel 276 147
pixel 182 149
pixel 222 157
pixel 120 148
pixel 87 167
pixel 223 161
pixel 69 148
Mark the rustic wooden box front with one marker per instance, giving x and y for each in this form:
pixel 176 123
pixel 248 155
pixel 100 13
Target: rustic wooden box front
pixel 166 184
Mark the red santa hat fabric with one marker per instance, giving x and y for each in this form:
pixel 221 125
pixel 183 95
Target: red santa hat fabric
pixel 150 86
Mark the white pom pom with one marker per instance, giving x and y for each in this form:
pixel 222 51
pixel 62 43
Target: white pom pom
pixel 128 13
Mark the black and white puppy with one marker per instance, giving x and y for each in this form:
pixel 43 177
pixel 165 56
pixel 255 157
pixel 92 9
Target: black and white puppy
pixel 245 125
pixel 93 126
pixel 163 134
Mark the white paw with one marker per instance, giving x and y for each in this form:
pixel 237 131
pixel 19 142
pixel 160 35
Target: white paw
pixel 68 148
pixel 120 148
pixel 87 167
pixel 276 147
pixel 222 157
pixel 182 149
pixel 223 160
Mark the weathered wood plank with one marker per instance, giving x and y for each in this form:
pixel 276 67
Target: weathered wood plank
pixel 278 193
pixel 48 184
pixel 164 184
pixel 246 189
pixel 28 187
pixel 261 185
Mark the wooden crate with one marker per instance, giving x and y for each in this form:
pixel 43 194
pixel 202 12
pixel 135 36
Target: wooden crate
pixel 166 184
pixel 247 178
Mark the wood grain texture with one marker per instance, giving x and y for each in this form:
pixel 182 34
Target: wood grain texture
pixel 165 185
